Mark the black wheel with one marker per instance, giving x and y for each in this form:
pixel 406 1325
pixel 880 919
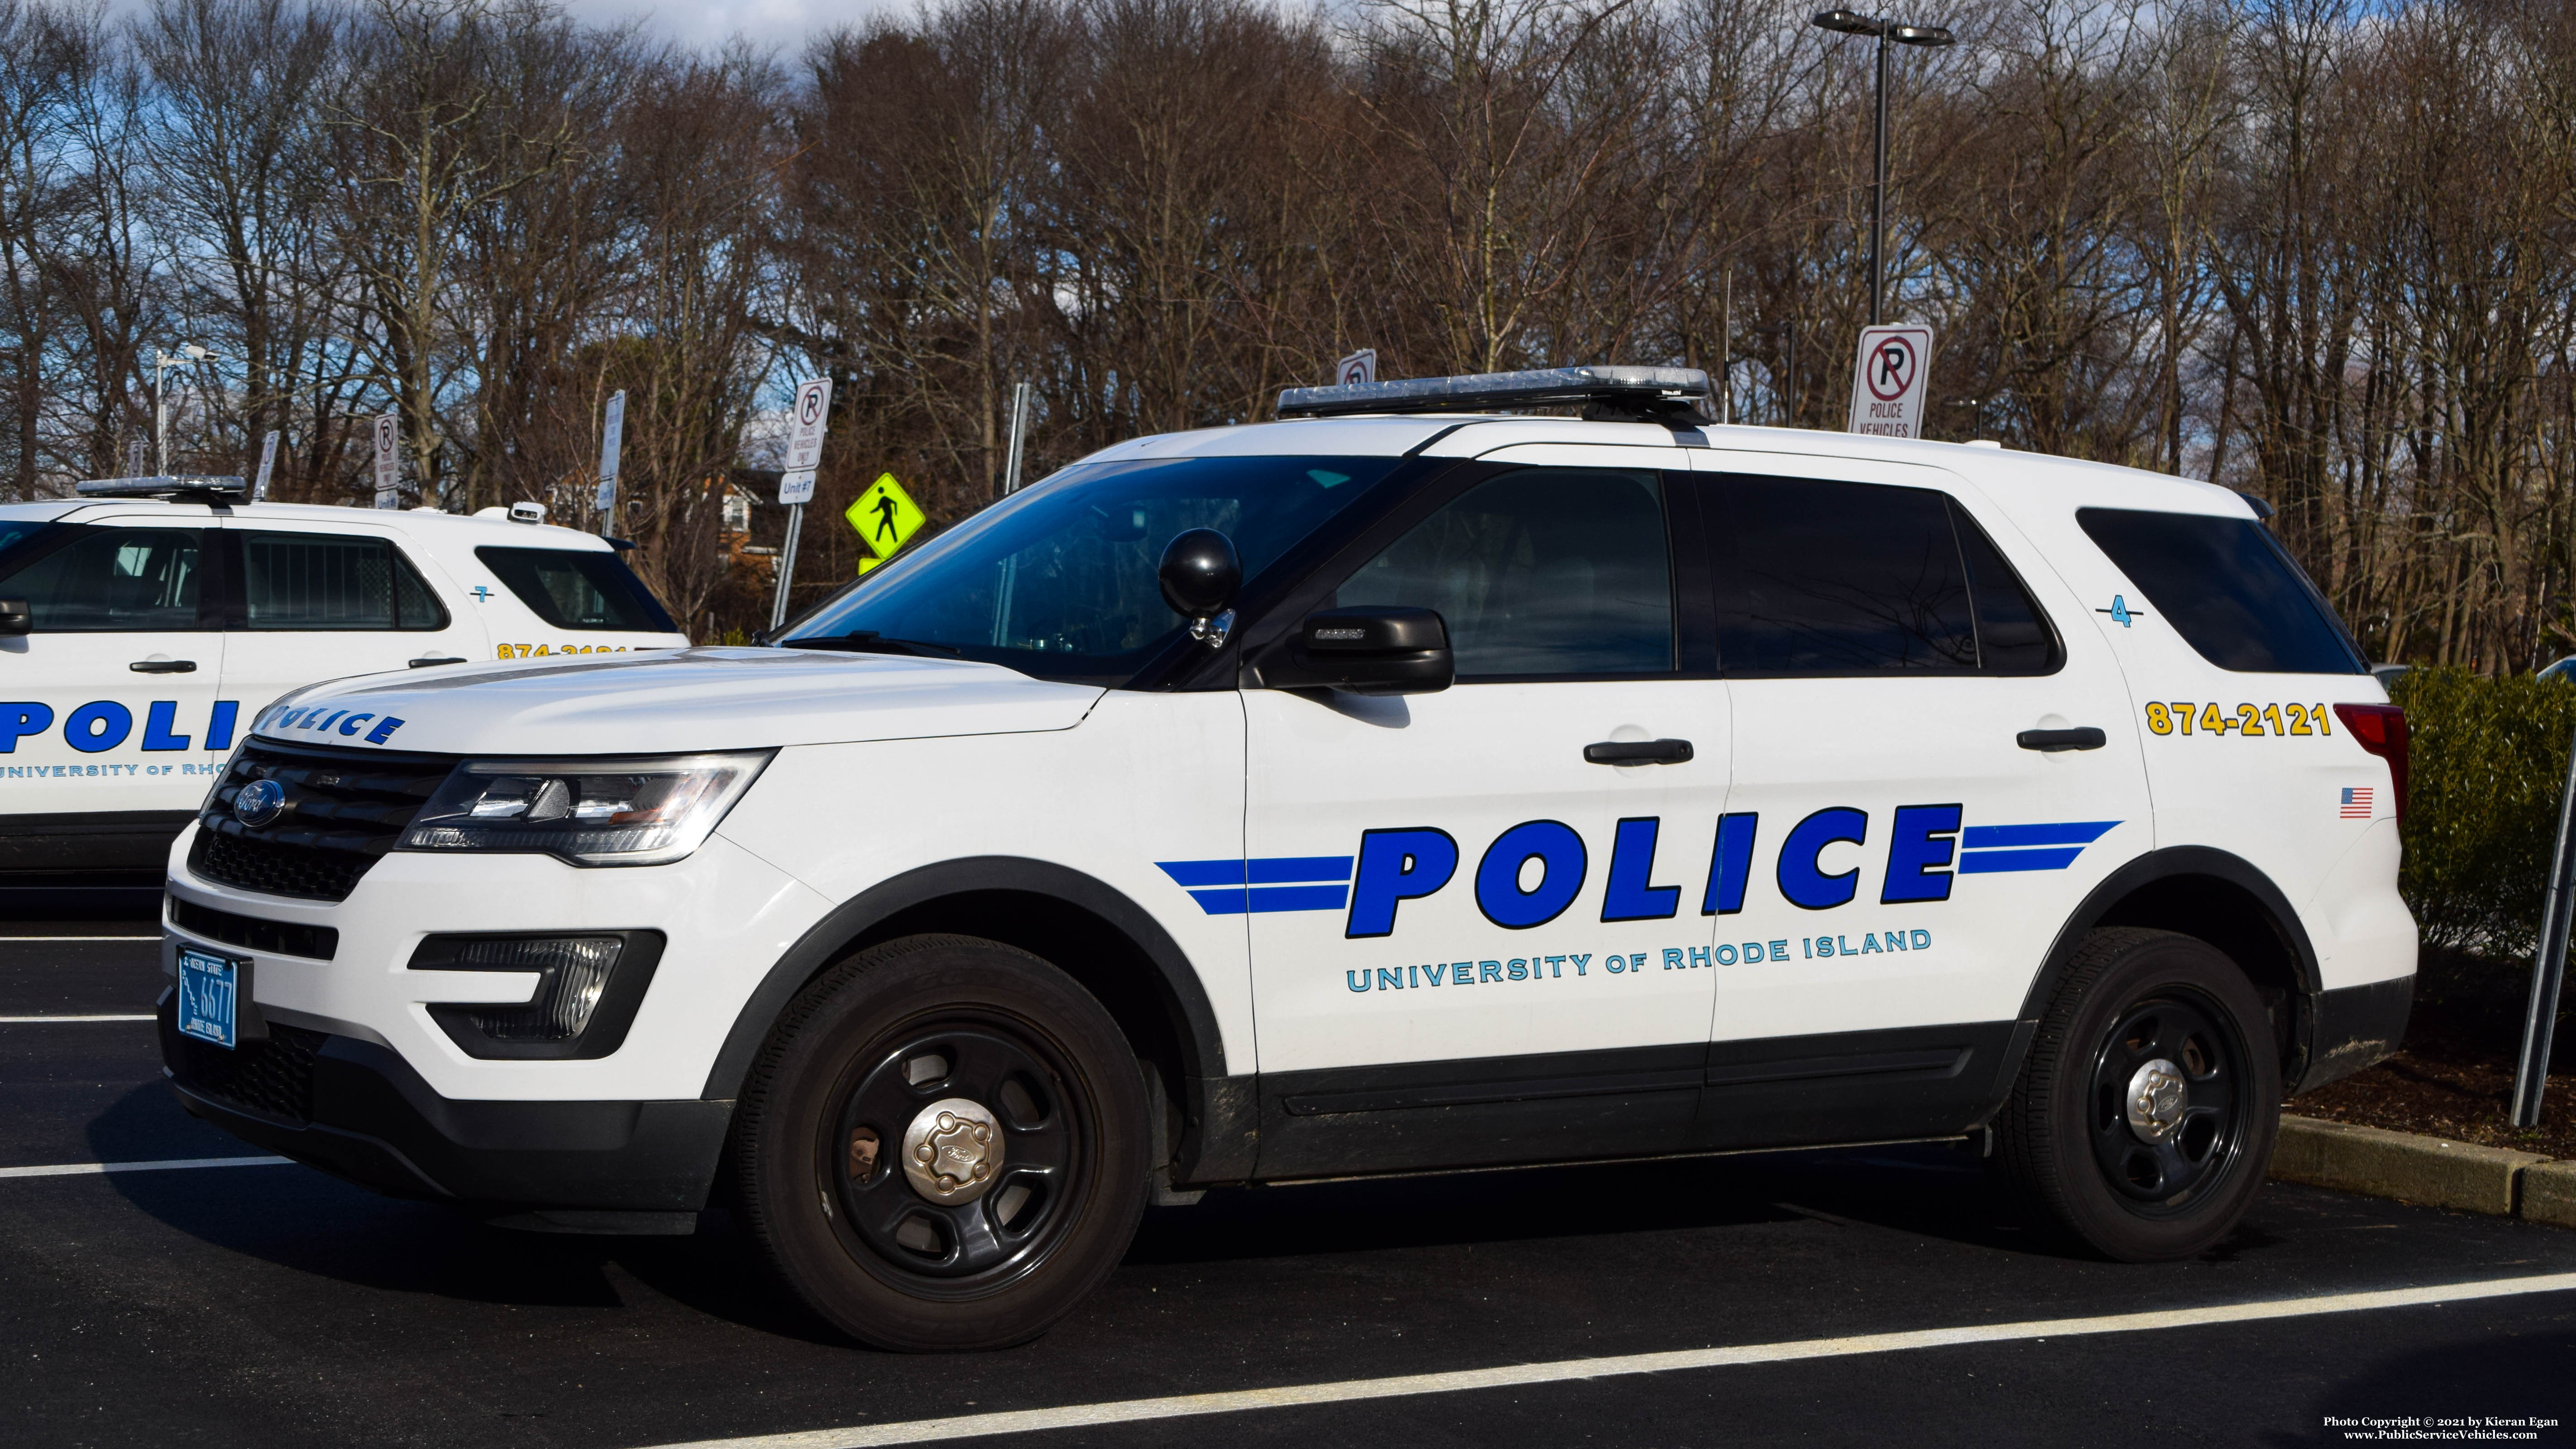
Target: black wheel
pixel 2144 1118
pixel 942 1145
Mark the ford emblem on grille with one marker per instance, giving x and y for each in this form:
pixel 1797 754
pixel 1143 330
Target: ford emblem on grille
pixel 259 802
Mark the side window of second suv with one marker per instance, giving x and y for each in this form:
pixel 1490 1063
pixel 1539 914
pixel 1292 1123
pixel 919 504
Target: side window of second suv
pixel 112 580
pixel 319 581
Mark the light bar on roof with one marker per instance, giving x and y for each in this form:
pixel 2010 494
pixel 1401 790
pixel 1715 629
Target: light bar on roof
pixel 1637 394
pixel 185 485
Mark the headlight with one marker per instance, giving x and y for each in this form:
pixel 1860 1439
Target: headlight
pixel 589 812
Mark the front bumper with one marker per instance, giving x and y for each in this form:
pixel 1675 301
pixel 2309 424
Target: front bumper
pixel 356 1110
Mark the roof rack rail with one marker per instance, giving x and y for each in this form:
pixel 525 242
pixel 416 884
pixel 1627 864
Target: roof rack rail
pixel 1666 395
pixel 184 487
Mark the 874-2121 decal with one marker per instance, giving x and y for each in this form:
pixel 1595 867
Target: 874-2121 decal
pixel 543 651
pixel 2190 717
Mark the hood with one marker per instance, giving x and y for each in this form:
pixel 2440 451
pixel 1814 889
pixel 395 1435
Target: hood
pixel 669 702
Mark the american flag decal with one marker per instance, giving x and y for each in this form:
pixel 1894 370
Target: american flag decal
pixel 2356 802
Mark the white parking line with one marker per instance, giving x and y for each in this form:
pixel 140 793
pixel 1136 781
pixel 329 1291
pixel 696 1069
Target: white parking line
pixel 9 1020
pixel 85 1169
pixel 1512 1376
pixel 5 940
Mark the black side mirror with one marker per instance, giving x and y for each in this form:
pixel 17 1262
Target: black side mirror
pixel 1200 575
pixel 16 617
pixel 1366 650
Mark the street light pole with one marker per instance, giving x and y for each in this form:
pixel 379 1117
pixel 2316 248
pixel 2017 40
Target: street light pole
pixel 1878 195
pixel 1882 29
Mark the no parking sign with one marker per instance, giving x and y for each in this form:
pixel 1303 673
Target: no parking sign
pixel 1888 382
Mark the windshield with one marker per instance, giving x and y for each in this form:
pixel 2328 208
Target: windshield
pixel 1058 580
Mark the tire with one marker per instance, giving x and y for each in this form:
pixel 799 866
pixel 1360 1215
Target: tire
pixel 2173 1178
pixel 922 1243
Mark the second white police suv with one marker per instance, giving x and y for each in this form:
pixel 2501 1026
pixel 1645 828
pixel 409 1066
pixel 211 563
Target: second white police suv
pixel 145 622
pixel 1399 786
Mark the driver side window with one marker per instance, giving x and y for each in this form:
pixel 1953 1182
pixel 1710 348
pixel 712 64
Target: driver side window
pixel 113 580
pixel 1545 573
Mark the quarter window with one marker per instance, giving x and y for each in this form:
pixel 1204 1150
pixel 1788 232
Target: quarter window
pixel 2226 588
pixel 578 588
pixel 1544 573
pixel 112 580
pixel 317 581
pixel 1821 578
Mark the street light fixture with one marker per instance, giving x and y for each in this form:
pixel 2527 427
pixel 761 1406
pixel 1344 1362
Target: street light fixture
pixel 1852 22
pixel 162 362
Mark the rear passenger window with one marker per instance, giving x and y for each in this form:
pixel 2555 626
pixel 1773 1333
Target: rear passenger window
pixel 1818 578
pixel 112 580
pixel 2227 588
pixel 1545 573
pixel 578 588
pixel 316 581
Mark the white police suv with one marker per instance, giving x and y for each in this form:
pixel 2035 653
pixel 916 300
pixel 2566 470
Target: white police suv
pixel 1398 787
pixel 143 622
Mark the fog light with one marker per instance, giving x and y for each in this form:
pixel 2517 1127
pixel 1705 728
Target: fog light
pixel 587 990
pixel 576 975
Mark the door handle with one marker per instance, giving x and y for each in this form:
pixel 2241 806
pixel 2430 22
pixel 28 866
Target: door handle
pixel 2052 741
pixel 1641 752
pixel 163 666
pixel 426 660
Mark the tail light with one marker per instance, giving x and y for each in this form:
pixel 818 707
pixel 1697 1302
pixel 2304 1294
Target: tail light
pixel 2381 728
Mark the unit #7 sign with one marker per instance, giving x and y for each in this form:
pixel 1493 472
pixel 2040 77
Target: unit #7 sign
pixel 1888 382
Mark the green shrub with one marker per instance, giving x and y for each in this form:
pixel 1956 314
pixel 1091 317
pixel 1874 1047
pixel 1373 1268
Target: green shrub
pixel 2489 757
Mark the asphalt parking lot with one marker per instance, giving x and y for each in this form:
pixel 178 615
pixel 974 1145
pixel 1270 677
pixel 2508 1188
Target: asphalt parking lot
pixel 270 1305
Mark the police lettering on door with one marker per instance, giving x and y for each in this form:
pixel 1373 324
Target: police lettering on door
pixel 1532 873
pixel 105 725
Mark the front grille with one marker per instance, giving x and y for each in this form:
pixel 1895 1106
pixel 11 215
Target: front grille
pixel 319 943
pixel 344 809
pixel 271 869
pixel 273 1078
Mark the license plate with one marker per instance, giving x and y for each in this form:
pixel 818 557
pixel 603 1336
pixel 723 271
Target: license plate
pixel 209 996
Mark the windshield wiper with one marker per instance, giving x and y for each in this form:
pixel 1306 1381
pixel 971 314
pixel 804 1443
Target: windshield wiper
pixel 869 641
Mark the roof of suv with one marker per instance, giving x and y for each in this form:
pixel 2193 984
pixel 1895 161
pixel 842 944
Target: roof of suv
pixel 493 525
pixel 1474 435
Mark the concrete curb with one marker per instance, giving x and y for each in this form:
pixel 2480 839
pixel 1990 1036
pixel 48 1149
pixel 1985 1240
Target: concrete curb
pixel 2428 1170
pixel 2549 1193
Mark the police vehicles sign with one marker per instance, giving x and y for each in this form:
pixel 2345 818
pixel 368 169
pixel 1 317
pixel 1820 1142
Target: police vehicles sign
pixel 1403 785
pixel 1894 365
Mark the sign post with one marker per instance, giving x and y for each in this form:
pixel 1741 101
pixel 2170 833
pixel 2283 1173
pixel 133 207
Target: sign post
pixel 1358 369
pixel 2549 964
pixel 1888 381
pixel 1019 437
pixel 612 437
pixel 811 411
pixel 267 467
pixel 389 460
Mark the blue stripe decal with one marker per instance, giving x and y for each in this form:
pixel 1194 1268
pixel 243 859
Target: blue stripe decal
pixel 1263 900
pixel 1997 862
pixel 1203 872
pixel 2072 832
pixel 1260 870
pixel 1288 869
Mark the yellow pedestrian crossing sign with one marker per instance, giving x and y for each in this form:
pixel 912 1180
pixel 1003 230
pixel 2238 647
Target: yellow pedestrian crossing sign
pixel 884 516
